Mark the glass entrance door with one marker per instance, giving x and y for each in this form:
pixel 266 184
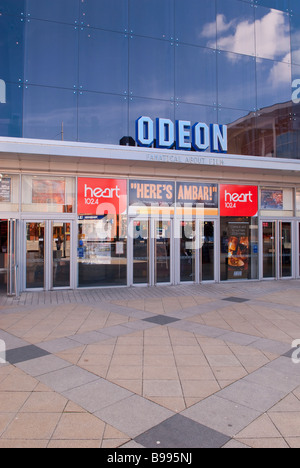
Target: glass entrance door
pixel 3 255
pixel 285 249
pixel 8 264
pixel 162 251
pixel 277 249
pixel 48 255
pixel 208 251
pixel 269 250
pixel 35 255
pixel 151 251
pixel 61 254
pixel 141 251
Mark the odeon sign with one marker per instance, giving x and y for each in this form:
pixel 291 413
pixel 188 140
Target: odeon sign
pixel 182 134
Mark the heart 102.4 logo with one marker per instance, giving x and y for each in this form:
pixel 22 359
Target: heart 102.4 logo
pixel 238 200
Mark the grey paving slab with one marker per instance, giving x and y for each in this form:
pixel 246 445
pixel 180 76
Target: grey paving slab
pixel 96 395
pixel 89 338
pixel 24 353
pixel 134 415
pixel 192 327
pixel 140 325
pixel 235 444
pixel 11 341
pixel 43 365
pixel 271 346
pixel 239 338
pixel 116 331
pixel 58 345
pixel 222 415
pixel 179 431
pixel 252 395
pixel 68 378
pixel 273 379
pixel 285 366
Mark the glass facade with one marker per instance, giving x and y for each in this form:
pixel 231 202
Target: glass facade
pixel 85 70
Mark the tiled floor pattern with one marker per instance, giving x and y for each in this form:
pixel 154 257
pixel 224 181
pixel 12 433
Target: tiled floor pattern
pixel 133 371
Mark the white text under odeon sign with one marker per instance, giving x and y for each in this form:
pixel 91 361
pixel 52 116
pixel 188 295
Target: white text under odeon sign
pixel 183 134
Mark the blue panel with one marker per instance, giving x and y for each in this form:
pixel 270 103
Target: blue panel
pixel 12 7
pixel 236 81
pixel 151 68
pixel 51 54
pixel 102 118
pixel 272 34
pixel 273 83
pixel 294 6
pixel 195 22
pixel 196 75
pixel 154 18
pixel 11 48
pixel 64 11
pixel 235 27
pixel 11 109
pixel 45 109
pixel 105 14
pixel 103 61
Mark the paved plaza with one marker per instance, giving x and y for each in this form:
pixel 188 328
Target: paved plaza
pixel 166 367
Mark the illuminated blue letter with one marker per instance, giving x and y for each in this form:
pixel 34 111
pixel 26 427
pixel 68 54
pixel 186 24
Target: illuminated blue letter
pixel 200 137
pixel 165 133
pixel 183 133
pixel 219 138
pixel 144 131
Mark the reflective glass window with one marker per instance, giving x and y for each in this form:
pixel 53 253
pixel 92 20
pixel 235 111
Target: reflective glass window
pixel 241 131
pixel 50 113
pixel 12 7
pixel 195 113
pixel 102 118
pixel 235 27
pixel 273 82
pixel 272 29
pixel 152 108
pixel 236 81
pixel 200 86
pixel 48 194
pixel 102 251
pixel 239 249
pixel 282 5
pixel 151 68
pixel 11 109
pixel 195 22
pixel 154 18
pixel 275 132
pixel 295 38
pixel 103 14
pixel 103 61
pixel 51 54
pixel 9 192
pixel 11 48
pixel 66 11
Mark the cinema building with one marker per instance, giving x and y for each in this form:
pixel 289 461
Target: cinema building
pixel 148 142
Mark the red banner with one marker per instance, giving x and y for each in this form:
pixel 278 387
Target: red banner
pixel 238 200
pixel 101 196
